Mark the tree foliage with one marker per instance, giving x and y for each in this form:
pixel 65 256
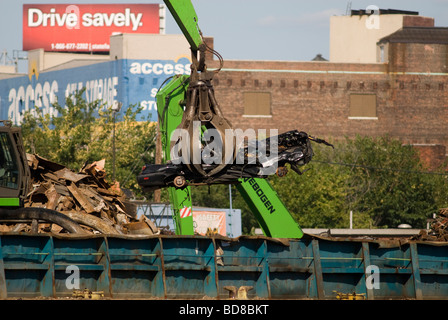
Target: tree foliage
pixel 389 182
pixel 379 179
pixel 84 132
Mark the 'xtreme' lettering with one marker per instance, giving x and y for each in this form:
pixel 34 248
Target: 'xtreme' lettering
pixel 260 194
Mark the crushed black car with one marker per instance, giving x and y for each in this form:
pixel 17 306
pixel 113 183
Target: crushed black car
pixel 293 148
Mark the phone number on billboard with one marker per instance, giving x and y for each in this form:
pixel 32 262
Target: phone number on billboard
pixel 70 46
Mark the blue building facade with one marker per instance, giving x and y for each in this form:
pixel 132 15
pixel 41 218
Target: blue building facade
pixel 129 81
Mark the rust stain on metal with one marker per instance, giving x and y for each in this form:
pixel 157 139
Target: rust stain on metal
pixel 85 196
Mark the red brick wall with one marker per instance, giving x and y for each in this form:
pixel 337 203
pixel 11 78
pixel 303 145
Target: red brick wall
pixel 417 21
pixel 314 97
pixel 433 156
pixel 418 57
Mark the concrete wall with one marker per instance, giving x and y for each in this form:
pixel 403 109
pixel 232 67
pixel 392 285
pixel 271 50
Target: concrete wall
pixel 149 46
pixel 7 69
pixel 41 60
pixel 354 38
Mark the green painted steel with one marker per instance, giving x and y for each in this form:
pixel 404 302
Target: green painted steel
pixel 195 267
pixel 187 20
pixel 272 215
pixel 170 100
pixel 274 218
pixel 9 202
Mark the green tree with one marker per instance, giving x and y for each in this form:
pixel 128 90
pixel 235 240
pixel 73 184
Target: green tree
pixel 213 196
pixel 82 132
pixel 440 186
pixel 380 180
pixel 387 182
pixel 317 198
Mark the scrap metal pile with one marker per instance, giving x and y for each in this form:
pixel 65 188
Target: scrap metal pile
pixel 438 228
pixel 85 197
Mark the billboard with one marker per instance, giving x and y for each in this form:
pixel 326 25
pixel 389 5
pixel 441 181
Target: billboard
pixel 84 27
pixel 228 225
pixel 129 81
pixel 215 221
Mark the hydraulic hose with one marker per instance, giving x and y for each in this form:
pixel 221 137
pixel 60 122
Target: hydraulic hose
pixel 42 214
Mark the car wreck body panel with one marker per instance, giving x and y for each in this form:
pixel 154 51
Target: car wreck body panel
pixel 292 147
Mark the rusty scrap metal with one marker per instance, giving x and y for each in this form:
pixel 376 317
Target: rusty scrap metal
pixel 238 293
pixel 438 228
pixel 349 296
pixel 85 197
pixel 88 294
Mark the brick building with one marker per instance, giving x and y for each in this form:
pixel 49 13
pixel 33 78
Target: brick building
pixel 394 81
pixel 405 96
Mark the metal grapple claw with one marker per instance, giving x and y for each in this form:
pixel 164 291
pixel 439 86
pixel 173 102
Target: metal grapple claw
pixel 206 126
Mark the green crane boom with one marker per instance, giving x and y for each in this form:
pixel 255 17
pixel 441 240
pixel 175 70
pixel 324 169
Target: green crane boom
pixel 273 217
pixel 187 20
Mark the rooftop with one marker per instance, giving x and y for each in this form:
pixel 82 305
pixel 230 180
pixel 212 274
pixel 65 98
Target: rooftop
pixel 430 35
pixel 362 12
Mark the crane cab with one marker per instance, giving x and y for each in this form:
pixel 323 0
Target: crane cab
pixel 14 169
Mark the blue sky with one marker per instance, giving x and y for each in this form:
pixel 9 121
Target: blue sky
pixel 248 29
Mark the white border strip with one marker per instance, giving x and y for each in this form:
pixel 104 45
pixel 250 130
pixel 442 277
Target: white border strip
pixel 337 72
pixel 363 118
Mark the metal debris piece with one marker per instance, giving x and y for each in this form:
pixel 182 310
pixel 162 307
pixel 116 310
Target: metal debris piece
pixel 86 197
pixel 238 293
pixel 438 228
pixel 88 294
pixel 350 296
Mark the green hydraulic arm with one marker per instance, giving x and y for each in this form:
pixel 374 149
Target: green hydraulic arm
pixel 272 215
pixel 170 100
pixel 170 107
pixel 187 20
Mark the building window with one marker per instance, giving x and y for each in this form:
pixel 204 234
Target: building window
pixel 8 163
pixel 257 104
pixel 382 54
pixel 363 106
